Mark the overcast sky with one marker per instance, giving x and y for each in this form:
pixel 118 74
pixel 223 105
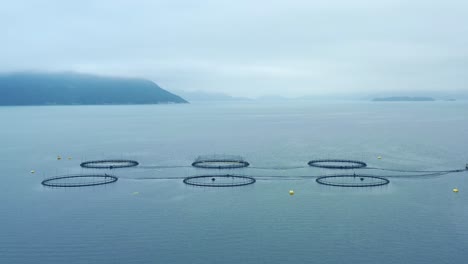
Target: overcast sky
pixel 246 48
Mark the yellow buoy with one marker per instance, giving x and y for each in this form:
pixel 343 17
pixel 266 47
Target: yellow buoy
pixel 59 158
pixel 33 171
pixel 291 192
pixel 69 158
pixel 455 190
pixel 379 157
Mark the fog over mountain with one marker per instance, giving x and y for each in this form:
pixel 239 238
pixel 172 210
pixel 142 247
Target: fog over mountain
pixel 248 48
pixel 207 96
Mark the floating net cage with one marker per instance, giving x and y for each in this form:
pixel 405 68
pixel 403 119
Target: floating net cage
pixel 352 180
pixel 340 164
pixel 109 164
pixel 220 162
pixel 220 180
pixel 79 180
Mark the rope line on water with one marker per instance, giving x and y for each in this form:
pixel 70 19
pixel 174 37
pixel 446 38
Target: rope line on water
pixel 401 173
pixel 428 171
pixel 164 167
pixel 300 177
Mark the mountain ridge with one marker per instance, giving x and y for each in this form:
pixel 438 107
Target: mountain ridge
pixel 68 88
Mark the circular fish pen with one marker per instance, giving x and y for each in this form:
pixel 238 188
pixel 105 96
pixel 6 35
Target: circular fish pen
pixel 337 164
pixel 352 180
pixel 109 164
pixel 223 180
pixel 79 180
pixel 220 162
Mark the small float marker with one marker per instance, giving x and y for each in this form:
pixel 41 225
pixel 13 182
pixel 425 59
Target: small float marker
pixel 291 192
pixel 59 158
pixel 455 190
pixel 33 171
pixel 379 157
pixel 136 193
pixel 69 158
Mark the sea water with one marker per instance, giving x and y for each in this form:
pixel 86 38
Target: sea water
pixel 143 219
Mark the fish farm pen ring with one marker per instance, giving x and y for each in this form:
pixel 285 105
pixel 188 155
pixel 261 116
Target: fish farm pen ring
pixel 340 164
pixel 220 162
pixel 109 164
pixel 223 180
pixel 352 180
pixel 79 180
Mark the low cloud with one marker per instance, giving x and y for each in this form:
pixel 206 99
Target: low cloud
pixel 245 48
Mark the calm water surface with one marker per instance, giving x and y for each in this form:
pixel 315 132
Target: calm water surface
pixel 141 220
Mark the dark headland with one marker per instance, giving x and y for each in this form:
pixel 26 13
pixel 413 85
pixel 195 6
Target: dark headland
pixel 80 89
pixel 404 99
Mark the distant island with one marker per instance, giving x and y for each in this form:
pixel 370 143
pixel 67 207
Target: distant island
pixel 404 99
pixel 202 96
pixel 80 89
